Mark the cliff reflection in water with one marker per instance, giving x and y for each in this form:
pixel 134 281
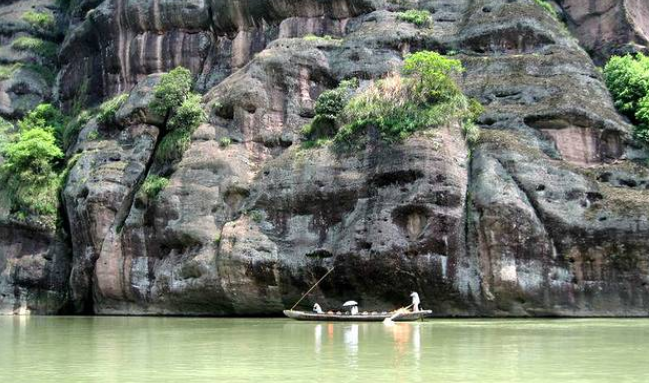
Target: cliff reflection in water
pixel 109 349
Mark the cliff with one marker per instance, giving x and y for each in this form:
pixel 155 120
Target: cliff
pixel 546 214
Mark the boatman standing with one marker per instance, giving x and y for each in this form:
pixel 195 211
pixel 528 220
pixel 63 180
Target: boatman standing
pixel 415 301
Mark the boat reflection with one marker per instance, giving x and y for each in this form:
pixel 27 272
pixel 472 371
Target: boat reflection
pixel 350 337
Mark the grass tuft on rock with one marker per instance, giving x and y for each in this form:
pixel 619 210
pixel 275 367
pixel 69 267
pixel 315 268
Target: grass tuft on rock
pixel 417 17
pixel 41 22
pixel 46 49
pixel 153 185
pixel 107 112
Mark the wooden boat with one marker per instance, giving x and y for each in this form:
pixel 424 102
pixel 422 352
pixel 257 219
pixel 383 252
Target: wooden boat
pixel 407 316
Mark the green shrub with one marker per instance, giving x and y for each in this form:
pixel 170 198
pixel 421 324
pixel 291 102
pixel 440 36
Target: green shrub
pixel 419 18
pixel 627 78
pixel 183 111
pixel 173 145
pixel 46 117
pixel 153 185
pixel 45 49
pixel 108 110
pixel 397 106
pixel 224 142
pixel 471 132
pixel 28 174
pixel 431 76
pixel 189 115
pixel 548 8
pixel 40 21
pixel 256 216
pixel 328 108
pixel 172 90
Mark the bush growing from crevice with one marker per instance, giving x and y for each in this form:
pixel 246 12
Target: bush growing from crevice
pixel 172 90
pixel 189 115
pixel 107 112
pixel 224 142
pixel 328 107
pixel 627 78
pixel 182 110
pixel 153 185
pixel 417 17
pixel 425 96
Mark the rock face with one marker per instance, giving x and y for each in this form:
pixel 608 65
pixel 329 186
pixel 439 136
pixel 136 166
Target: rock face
pixel 546 215
pixel 34 270
pixel 26 75
pixel 610 26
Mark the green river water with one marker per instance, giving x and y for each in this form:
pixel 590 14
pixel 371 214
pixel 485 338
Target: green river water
pixel 116 349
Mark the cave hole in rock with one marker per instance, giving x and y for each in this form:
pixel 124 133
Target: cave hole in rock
pixel 628 183
pixel 412 219
pixel 319 253
pixel 511 40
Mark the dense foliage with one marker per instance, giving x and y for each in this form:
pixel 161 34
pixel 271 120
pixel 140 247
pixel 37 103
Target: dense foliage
pixel 183 112
pixel 172 91
pixel 29 176
pixel 328 108
pixel 419 18
pixel 46 117
pixel 627 78
pixel 31 173
pixel 424 96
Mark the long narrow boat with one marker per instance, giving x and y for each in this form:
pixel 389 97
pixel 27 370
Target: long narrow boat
pixel 362 317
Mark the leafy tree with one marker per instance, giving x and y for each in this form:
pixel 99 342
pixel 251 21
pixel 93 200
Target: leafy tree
pixel 172 90
pixel 189 114
pixel 45 117
pixel 28 173
pixel 182 110
pixel 627 78
pixel 431 75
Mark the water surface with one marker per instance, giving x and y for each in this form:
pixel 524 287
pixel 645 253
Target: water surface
pixel 105 349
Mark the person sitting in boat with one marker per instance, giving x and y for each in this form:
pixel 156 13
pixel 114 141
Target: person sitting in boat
pixel 317 309
pixel 415 301
pixel 353 307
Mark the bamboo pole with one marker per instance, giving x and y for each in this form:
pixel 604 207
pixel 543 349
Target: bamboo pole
pixel 313 287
